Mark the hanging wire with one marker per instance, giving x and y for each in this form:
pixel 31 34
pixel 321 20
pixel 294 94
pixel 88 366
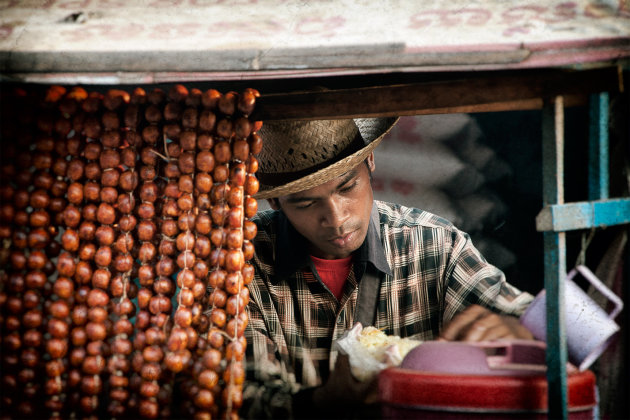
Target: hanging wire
pixel 581 259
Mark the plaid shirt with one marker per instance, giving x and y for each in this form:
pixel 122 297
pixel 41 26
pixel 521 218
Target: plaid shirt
pixel 429 272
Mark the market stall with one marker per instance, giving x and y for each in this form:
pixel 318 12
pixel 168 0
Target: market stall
pixel 379 59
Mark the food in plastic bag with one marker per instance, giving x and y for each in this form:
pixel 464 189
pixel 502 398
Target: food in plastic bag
pixel 370 350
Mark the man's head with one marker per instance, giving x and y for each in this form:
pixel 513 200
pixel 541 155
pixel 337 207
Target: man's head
pixel 334 216
pixel 313 171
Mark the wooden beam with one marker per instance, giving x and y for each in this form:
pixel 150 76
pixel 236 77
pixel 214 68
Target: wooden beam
pixel 519 105
pixel 476 93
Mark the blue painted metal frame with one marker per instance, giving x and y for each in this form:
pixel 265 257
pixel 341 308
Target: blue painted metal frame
pixel 598 147
pixel 558 217
pixel 584 215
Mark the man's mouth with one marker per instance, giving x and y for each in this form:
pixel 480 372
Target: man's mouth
pixel 342 240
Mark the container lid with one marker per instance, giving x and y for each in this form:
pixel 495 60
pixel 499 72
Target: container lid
pixel 496 377
pixel 496 358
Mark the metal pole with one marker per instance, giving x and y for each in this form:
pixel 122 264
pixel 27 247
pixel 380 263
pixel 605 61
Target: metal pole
pixel 598 147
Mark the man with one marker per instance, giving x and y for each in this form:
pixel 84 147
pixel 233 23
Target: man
pixel 329 255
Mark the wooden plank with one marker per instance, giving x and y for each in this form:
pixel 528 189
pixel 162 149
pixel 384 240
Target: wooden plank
pixel 517 105
pixel 448 95
pixel 214 38
pixel 583 215
pixel 554 244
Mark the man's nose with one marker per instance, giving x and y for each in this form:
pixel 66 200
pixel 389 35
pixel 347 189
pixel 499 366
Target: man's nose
pixel 334 214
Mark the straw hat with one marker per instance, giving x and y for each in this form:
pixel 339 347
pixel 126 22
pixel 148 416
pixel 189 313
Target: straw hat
pixel 298 155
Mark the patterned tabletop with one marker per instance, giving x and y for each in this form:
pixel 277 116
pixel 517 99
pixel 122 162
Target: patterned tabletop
pixel 153 40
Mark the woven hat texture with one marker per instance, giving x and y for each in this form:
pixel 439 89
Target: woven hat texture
pixel 298 155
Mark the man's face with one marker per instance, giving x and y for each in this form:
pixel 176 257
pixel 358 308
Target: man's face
pixel 333 217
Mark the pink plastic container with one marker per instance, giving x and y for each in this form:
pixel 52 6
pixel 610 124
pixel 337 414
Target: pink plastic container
pixel 497 380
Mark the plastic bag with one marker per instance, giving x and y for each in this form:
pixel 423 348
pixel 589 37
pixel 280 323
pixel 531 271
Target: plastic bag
pixel 370 350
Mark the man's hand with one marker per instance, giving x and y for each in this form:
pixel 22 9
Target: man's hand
pixel 342 388
pixel 477 323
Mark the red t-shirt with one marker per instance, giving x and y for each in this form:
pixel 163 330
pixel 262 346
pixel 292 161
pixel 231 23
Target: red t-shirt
pixel 333 273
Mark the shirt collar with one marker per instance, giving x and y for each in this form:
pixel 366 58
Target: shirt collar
pixel 292 248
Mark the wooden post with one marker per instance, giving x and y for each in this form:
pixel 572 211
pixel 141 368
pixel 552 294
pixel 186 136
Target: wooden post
pixel 555 258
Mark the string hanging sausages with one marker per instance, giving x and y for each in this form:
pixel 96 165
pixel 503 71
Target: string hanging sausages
pixel 15 218
pixel 36 347
pixel 79 175
pixel 125 244
pixel 59 323
pixel 125 136
pixel 99 157
pixel 148 331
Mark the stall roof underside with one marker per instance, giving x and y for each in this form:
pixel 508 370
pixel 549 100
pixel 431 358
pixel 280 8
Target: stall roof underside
pixel 115 41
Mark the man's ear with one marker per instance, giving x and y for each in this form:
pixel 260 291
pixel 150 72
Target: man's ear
pixel 370 162
pixel 274 203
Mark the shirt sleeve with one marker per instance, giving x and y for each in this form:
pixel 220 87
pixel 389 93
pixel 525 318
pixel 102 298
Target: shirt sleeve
pixel 266 393
pixel 270 392
pixel 472 280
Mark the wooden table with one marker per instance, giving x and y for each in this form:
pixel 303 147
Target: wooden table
pixel 377 58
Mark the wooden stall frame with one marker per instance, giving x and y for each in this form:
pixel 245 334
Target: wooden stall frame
pixel 547 90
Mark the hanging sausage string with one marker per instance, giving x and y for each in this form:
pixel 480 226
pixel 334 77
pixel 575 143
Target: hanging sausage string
pixel 126 241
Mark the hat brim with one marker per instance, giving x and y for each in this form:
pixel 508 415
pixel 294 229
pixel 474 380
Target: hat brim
pixel 372 130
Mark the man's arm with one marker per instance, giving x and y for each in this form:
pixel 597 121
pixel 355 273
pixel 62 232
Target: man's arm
pixel 268 392
pixel 480 304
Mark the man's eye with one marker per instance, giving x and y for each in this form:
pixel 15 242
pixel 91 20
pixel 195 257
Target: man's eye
pixel 304 205
pixel 348 187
